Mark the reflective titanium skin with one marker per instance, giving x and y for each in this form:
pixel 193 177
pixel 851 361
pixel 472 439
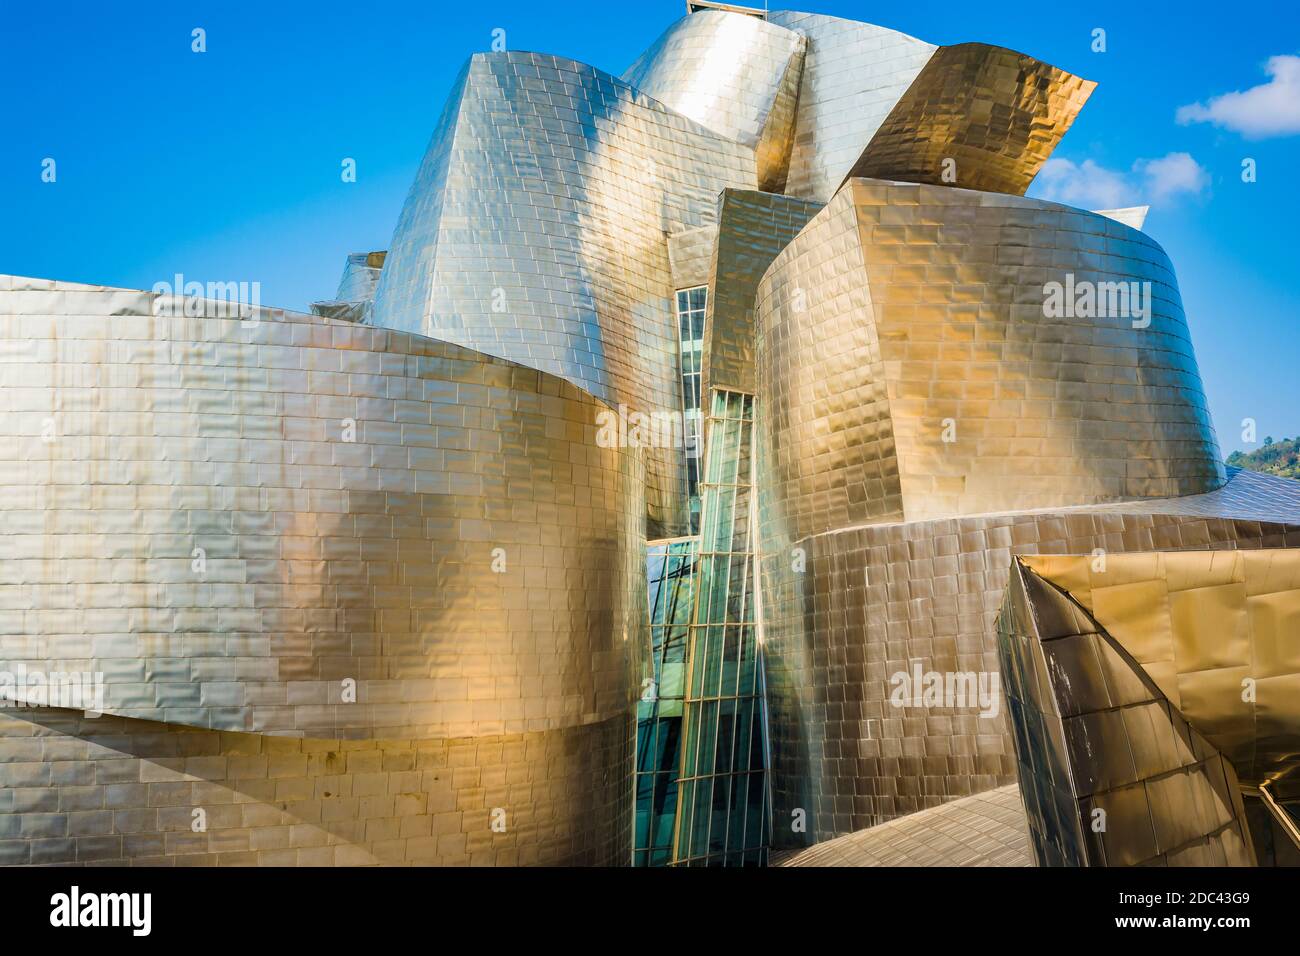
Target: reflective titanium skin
pixel 752 228
pixel 909 371
pixel 987 829
pixel 853 75
pixel 991 118
pixel 1204 626
pixel 203 531
pixel 872 601
pixel 737 75
pixel 535 232
pixel 1113 773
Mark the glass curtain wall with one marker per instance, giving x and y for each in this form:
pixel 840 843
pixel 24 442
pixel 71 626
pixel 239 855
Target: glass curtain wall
pixel 724 811
pixel 670 571
pixel 690 336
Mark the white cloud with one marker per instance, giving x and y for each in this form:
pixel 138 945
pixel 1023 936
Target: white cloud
pixel 1086 185
pixel 1270 109
pixel 1090 185
pixel 1172 174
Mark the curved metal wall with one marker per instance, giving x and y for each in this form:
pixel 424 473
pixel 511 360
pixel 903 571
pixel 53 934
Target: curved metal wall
pixel 736 74
pixel 846 611
pixel 991 118
pixel 853 74
pixel 535 231
pixel 230 520
pixel 910 371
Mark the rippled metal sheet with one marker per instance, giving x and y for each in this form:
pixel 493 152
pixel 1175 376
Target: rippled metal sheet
pixel 535 231
pixel 1216 633
pixel 988 119
pixel 874 600
pixel 736 74
pixel 909 370
pixel 987 829
pixel 1112 772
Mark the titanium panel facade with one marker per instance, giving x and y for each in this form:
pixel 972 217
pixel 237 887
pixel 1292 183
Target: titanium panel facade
pixel 846 611
pixel 1217 634
pixel 752 228
pixel 911 370
pixel 535 231
pixel 1113 775
pixel 287 525
pixel 853 74
pixel 993 115
pixel 735 74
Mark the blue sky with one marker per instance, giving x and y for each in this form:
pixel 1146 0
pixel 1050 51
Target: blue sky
pixel 226 165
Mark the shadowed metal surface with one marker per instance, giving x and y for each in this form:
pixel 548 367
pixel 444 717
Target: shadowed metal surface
pixel 536 226
pixel 1217 633
pixel 116 791
pixel 987 829
pixel 1112 773
pixel 752 228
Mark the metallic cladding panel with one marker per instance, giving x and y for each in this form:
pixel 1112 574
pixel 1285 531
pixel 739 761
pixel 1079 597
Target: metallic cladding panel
pixel 992 114
pixel 909 370
pixel 737 75
pixel 535 231
pixel 319 559
pixel 1112 773
pixel 690 254
pixel 116 791
pixel 845 611
pixel 1206 627
pixel 360 276
pixel 853 74
pixel 752 228
pixel 987 829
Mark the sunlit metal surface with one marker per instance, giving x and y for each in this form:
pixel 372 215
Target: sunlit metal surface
pixel 991 117
pixel 535 231
pixel 738 75
pixel 294 526
pixel 109 791
pixel 1135 216
pixel 987 829
pixel 853 75
pixel 874 601
pixel 1216 633
pixel 1112 771
pixel 690 254
pixel 910 370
